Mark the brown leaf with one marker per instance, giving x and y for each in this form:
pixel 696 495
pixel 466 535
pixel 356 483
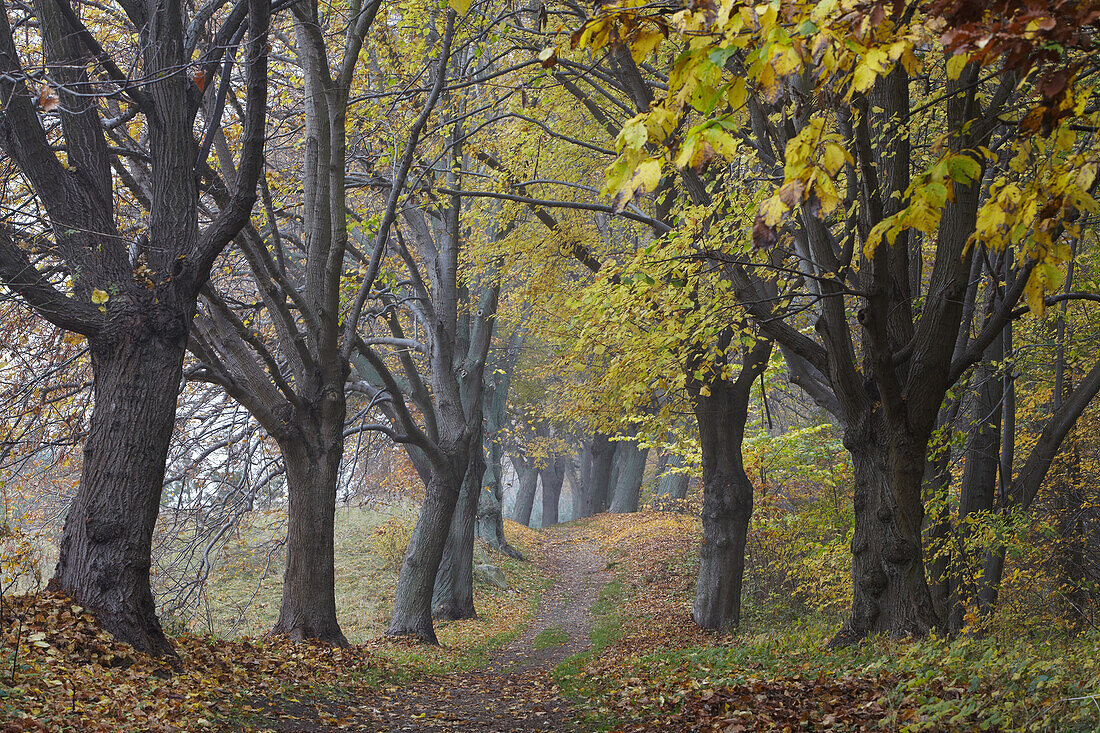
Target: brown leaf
pixel 48 99
pixel 763 236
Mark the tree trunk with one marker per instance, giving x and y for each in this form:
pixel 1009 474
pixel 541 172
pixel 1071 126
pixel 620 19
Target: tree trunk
pixel 672 487
pixel 412 605
pixel 453 597
pixel 553 478
pixel 490 503
pixel 979 480
pixel 727 494
pixel 889 591
pixel 104 559
pixel 490 522
pixel 528 477
pixel 938 535
pixel 308 609
pixel 628 485
pixel 595 484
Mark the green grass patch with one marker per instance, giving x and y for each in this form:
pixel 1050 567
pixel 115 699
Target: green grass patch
pixel 550 637
pixel 607 627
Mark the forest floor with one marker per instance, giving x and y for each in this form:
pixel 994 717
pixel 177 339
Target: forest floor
pixel 515 690
pixel 594 634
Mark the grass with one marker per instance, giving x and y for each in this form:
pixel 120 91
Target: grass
pixel 243 593
pixel 550 637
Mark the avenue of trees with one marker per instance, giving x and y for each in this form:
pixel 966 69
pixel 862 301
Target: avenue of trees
pixel 556 262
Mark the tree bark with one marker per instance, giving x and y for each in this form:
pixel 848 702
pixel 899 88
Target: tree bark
pixel 727 493
pixel 308 608
pixel 889 591
pixel 104 559
pixel 977 492
pixel 528 477
pixel 631 470
pixel 672 487
pixel 595 483
pixel 490 503
pixel 490 521
pixel 412 606
pixel 553 478
pixel 453 597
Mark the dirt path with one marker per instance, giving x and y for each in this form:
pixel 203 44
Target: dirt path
pixel 513 693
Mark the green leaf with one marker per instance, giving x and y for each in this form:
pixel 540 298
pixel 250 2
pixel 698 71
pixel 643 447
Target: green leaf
pixel 963 168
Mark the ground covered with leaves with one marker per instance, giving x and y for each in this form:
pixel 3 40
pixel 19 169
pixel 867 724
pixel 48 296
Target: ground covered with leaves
pixel 653 670
pixel 63 673
pixel 60 672
pixel 594 634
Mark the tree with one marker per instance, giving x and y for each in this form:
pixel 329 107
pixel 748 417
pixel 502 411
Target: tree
pixel 131 295
pixel 292 378
pixel 844 232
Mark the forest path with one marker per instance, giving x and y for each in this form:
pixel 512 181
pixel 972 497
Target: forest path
pixel 514 692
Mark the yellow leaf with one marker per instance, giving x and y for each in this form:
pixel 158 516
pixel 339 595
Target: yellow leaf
pixel 644 45
pixel 833 158
pixel 648 174
pixel 99 296
pixel 737 94
pixel 955 65
pixel 459 6
pixel 772 210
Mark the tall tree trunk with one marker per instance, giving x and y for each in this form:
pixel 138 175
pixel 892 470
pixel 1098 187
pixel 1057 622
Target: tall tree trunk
pixel 104 559
pixel 938 534
pixel 453 597
pixel 490 503
pixel 889 590
pixel 595 489
pixel 553 478
pixel 490 521
pixel 528 477
pixel 628 484
pixel 672 486
pixel 978 489
pixel 727 493
pixel 412 605
pixel 1068 493
pixel 308 609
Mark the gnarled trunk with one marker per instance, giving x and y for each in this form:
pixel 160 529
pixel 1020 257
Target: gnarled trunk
pixel 308 609
pixel 727 493
pixel 490 522
pixel 104 558
pixel 412 604
pixel 889 590
pixel 453 597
